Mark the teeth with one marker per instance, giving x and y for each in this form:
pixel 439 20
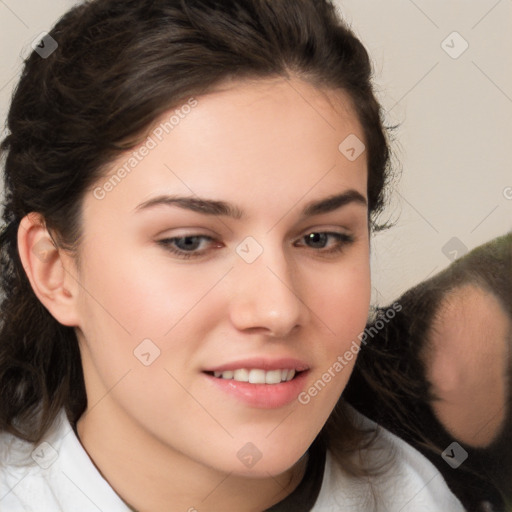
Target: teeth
pixel 257 376
pixel 241 375
pixel 273 377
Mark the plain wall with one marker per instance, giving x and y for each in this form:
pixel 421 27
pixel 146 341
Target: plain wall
pixel 453 111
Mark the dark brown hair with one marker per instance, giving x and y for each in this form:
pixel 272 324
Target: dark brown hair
pixel 118 67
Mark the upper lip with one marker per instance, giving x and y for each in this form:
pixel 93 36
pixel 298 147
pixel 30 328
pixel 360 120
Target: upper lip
pixel 262 364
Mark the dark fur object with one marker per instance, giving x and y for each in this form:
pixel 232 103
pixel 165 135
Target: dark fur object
pixel 390 386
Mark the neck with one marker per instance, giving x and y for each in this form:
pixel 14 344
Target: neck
pixel 149 475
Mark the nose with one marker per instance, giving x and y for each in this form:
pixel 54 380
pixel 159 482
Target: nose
pixel 266 296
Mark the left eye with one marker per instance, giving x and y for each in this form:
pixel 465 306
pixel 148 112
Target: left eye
pixel 185 246
pixel 189 243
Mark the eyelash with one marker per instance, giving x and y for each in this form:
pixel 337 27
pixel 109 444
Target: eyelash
pixel 343 241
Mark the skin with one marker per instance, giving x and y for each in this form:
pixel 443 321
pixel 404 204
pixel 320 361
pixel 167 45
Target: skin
pixel 467 363
pixel 161 433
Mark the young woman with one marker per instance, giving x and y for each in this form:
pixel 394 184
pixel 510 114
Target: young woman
pixel 190 190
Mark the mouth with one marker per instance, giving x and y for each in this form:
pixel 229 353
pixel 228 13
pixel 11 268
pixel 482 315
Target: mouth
pixel 260 383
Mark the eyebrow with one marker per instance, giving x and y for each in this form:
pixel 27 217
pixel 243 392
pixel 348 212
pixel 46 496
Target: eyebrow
pixel 222 208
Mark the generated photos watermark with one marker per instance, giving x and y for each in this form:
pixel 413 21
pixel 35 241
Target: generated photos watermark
pixel 152 141
pixel 343 360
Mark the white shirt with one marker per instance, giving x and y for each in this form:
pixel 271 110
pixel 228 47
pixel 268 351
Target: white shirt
pixel 58 475
pixel 411 483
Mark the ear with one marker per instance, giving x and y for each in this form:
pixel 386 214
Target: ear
pixel 49 269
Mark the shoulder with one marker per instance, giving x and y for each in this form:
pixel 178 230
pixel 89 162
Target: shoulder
pixel 405 480
pixel 56 475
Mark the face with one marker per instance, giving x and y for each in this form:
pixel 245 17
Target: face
pixel 217 259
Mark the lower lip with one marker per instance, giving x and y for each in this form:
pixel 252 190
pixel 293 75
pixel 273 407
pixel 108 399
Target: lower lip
pixel 262 396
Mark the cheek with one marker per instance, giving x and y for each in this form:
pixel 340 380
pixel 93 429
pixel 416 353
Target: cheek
pixel 140 297
pixel 347 301
pixel 139 309
pixel 342 299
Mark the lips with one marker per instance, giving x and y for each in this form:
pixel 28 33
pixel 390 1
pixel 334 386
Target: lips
pixel 261 383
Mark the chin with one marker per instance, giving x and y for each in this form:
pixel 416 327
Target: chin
pixel 261 459
pixel 264 469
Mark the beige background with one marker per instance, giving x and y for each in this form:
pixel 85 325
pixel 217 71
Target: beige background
pixel 455 117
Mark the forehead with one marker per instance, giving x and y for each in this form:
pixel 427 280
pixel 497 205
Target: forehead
pixel 277 140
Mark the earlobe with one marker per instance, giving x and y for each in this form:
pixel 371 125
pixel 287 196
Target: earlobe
pixel 47 269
